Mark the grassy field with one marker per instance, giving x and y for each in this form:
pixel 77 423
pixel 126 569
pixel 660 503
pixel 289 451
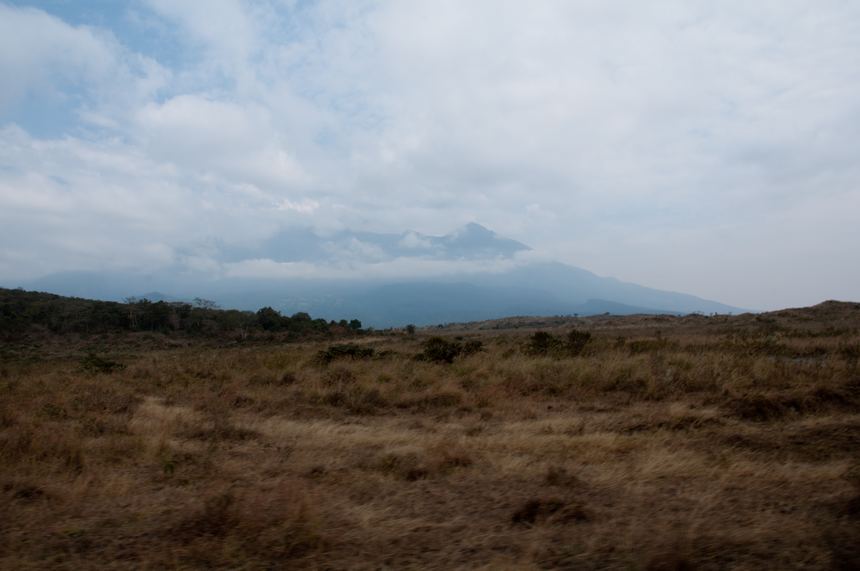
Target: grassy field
pixel 661 443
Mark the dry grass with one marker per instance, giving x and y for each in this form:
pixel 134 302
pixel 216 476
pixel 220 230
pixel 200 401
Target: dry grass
pixel 697 448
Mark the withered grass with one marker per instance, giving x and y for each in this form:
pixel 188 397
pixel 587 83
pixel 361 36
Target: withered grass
pixel 668 444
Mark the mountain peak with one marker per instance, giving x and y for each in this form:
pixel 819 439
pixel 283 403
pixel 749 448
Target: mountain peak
pixel 476 241
pixel 475 228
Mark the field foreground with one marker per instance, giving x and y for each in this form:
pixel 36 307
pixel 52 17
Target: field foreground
pixel 661 443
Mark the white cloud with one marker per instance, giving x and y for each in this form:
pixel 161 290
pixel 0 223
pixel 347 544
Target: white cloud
pixel 78 69
pixel 40 53
pixel 305 206
pixel 68 204
pixel 414 241
pixel 231 140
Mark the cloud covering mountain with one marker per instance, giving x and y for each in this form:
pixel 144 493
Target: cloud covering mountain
pixel 692 146
pixel 470 242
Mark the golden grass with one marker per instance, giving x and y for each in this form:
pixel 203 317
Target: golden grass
pixel 695 452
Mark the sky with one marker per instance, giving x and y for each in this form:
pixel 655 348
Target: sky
pixel 705 147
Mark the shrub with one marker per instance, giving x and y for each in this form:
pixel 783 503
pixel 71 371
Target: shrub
pixel 471 347
pixel 542 343
pixel 92 363
pixel 345 351
pixel 577 340
pixel 440 350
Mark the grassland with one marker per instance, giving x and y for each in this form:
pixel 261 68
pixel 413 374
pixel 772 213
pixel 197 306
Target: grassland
pixel 666 443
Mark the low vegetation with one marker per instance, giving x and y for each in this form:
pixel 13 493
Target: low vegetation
pixel 643 442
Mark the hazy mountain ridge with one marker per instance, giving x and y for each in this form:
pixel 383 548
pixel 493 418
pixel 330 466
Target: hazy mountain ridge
pixel 467 284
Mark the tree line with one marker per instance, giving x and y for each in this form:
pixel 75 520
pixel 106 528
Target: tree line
pixel 33 312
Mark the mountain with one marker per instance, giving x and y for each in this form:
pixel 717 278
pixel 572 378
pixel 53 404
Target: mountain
pixel 575 285
pixel 387 280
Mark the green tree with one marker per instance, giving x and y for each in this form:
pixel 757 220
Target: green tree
pixel 205 303
pixel 269 319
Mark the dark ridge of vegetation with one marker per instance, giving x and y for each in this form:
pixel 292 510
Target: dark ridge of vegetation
pixel 27 312
pixel 270 319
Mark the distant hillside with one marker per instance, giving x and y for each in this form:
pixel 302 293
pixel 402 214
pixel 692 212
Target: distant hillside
pixel 826 318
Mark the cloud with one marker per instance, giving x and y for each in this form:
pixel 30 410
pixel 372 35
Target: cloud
pixel 69 204
pixel 414 241
pixel 231 140
pixel 305 206
pixel 56 72
pixel 40 55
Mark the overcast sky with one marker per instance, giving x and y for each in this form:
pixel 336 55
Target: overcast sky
pixel 698 146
